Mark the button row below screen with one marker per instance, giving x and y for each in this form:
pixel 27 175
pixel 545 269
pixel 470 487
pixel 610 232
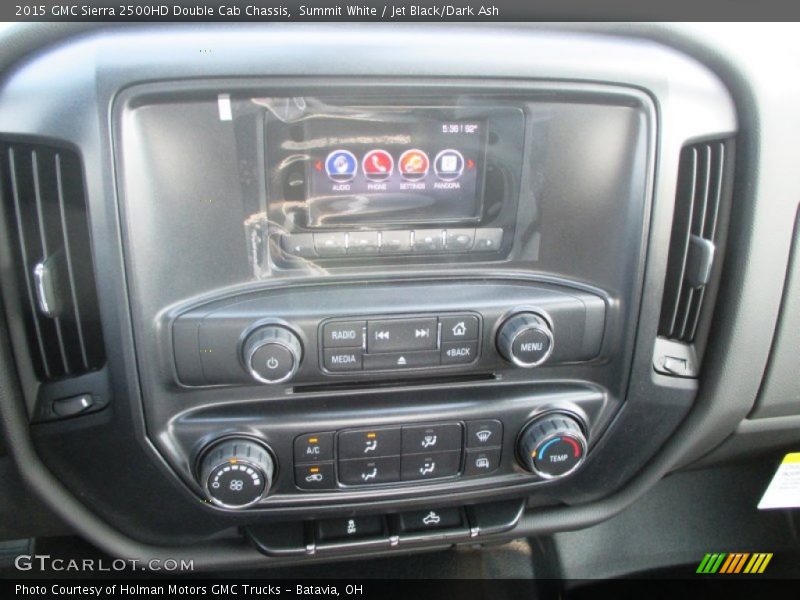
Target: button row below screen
pixel 364 243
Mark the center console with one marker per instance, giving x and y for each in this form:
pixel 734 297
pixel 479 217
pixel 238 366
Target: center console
pixel 348 305
pixel 368 300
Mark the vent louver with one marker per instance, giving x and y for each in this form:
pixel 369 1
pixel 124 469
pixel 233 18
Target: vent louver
pixel 45 206
pixel 695 237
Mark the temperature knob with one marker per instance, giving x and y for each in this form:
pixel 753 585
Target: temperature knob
pixel 236 473
pixel 272 354
pixel 525 339
pixel 552 446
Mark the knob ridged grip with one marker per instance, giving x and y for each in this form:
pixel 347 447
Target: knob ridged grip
pixel 236 473
pixel 552 446
pixel 272 354
pixel 525 340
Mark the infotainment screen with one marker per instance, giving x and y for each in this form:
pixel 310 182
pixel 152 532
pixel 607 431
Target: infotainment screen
pixel 344 164
pixel 397 167
pixel 335 165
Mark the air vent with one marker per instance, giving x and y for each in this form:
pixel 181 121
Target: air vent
pixel 700 200
pixel 45 208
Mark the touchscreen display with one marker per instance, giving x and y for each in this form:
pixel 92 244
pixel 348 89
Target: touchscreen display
pixel 405 167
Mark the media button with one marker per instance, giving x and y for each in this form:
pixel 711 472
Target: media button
pixel 341 166
pixel 377 165
pixel 343 359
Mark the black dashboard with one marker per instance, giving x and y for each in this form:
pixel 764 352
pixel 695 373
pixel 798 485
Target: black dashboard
pixel 268 306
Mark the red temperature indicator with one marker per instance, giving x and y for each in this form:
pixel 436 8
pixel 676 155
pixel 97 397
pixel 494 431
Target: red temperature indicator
pixel 414 165
pixel 377 165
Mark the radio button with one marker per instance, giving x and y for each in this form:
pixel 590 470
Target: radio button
pixel 313 447
pixel 395 242
pixel 431 438
pixel 459 240
pixel 330 244
pixel 459 328
pixel 483 434
pixel 343 335
pixel 488 239
pixel 397 335
pixel 430 466
pixel 428 240
pixel 369 471
pixel 344 359
pixel 369 443
pixel 362 242
pixel 459 353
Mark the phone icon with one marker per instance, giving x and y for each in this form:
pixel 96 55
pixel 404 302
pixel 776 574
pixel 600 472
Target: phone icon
pixel 378 165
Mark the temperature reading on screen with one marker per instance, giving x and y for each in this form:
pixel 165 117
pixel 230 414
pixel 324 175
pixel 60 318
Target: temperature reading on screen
pixel 460 128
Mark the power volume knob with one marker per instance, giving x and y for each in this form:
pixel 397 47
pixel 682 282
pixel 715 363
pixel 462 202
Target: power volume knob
pixel 552 446
pixel 236 473
pixel 272 354
pixel 525 339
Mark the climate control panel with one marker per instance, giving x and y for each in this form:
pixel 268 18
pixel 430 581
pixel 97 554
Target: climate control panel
pixel 237 472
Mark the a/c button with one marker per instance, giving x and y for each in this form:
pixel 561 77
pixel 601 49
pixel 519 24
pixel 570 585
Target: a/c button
pixel 313 447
